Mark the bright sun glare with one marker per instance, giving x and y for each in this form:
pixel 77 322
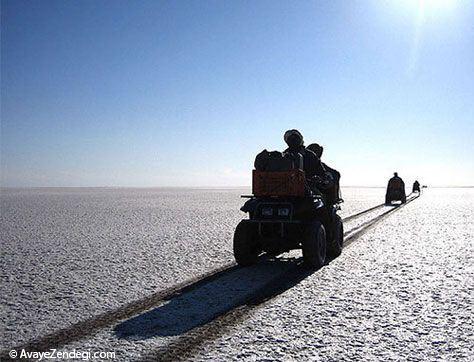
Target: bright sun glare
pixel 423 9
pixel 428 5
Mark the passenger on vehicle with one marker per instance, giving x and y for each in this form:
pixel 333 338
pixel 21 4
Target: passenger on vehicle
pixel 396 183
pixel 396 180
pixel 312 166
pixel 335 193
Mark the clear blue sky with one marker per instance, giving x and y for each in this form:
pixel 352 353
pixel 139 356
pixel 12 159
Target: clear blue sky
pixel 185 93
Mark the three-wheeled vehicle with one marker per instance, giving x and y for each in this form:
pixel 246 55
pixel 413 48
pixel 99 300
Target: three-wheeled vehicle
pixel 285 213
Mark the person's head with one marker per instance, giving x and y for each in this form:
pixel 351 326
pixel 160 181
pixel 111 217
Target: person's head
pixel 293 138
pixel 317 149
pixel 395 174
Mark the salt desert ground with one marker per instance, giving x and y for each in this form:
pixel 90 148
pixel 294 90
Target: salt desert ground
pixel 104 270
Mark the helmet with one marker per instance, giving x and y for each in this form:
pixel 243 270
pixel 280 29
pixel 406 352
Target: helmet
pixel 317 149
pixel 293 138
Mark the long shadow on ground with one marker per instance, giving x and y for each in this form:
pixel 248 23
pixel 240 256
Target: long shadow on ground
pixel 201 305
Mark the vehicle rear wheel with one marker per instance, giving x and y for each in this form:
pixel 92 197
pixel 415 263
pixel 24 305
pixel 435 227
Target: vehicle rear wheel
pixel 314 245
pixel 246 248
pixel 335 245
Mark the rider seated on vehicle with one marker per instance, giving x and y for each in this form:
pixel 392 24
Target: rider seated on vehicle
pixel 312 166
pixel 396 182
pixel 334 192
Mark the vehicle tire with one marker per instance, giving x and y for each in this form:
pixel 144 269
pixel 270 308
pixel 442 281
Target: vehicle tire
pixel 314 245
pixel 246 248
pixel 335 245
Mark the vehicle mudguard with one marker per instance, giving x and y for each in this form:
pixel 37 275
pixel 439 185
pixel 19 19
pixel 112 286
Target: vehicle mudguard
pixel 249 205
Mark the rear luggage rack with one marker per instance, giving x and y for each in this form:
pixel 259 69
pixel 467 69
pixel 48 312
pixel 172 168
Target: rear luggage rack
pixel 278 183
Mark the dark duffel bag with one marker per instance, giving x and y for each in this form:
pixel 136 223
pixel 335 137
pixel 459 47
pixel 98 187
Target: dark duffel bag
pixel 272 161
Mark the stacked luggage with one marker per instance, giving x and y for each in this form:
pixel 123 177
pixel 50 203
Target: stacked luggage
pixel 278 174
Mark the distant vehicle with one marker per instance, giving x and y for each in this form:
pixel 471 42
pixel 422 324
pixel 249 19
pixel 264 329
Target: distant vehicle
pixel 285 214
pixel 395 190
pixel 416 187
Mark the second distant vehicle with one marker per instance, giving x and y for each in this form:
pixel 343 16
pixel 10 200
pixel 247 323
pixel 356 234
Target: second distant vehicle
pixel 395 190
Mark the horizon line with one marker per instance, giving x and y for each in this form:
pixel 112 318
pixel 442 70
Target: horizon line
pixel 196 187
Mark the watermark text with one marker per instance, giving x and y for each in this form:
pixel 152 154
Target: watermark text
pixel 85 355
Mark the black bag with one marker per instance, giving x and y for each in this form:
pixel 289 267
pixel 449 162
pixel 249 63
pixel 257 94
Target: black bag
pixel 261 161
pixel 273 161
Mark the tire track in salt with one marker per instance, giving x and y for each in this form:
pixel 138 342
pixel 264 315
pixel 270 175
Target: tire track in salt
pixel 187 343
